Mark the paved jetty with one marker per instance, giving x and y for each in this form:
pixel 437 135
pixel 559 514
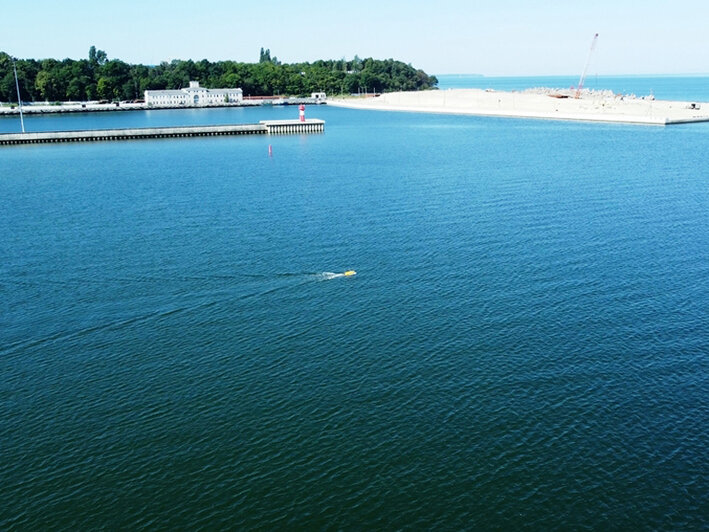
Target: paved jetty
pixel 91 107
pixel 550 104
pixel 265 127
pixel 312 125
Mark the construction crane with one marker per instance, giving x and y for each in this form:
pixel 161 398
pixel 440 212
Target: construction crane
pixel 585 68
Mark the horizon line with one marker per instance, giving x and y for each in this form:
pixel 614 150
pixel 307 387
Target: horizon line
pixel 653 75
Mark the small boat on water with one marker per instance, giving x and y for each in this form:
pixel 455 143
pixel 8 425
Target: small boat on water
pixel 350 273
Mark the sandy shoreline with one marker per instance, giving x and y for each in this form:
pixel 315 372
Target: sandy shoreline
pixel 553 105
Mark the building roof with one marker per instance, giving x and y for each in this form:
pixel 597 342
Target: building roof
pixel 187 90
pixel 166 92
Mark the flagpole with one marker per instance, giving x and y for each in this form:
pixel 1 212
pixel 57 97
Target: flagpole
pixel 19 100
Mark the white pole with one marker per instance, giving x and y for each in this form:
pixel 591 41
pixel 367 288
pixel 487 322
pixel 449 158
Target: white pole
pixel 19 100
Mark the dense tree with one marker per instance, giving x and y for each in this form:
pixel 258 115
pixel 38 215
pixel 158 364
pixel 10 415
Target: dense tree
pixel 97 57
pixel 264 56
pixel 97 77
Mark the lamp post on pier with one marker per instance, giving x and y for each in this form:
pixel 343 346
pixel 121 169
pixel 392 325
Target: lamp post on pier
pixel 19 100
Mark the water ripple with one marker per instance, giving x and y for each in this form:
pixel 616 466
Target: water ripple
pixel 523 345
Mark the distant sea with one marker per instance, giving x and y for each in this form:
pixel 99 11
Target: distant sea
pixel 524 346
pixel 682 88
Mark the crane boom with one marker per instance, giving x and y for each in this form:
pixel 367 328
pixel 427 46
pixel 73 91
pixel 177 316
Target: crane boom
pixel 585 68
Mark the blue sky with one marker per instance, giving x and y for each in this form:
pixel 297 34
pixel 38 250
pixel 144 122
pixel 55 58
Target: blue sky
pixel 496 37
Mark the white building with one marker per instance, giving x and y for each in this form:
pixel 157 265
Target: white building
pixel 193 96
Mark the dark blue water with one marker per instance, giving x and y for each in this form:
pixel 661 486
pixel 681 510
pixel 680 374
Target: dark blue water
pixel 524 344
pixel 682 88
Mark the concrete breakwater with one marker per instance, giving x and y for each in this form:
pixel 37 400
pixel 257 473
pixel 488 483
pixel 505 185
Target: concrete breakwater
pixel 265 127
pixel 551 105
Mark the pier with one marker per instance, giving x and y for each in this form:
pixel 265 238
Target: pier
pixel 548 104
pixel 265 127
pixel 95 107
pixel 281 127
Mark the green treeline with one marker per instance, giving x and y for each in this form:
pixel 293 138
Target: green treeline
pixel 101 78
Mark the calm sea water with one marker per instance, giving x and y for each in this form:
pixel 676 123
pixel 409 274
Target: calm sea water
pixel 525 344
